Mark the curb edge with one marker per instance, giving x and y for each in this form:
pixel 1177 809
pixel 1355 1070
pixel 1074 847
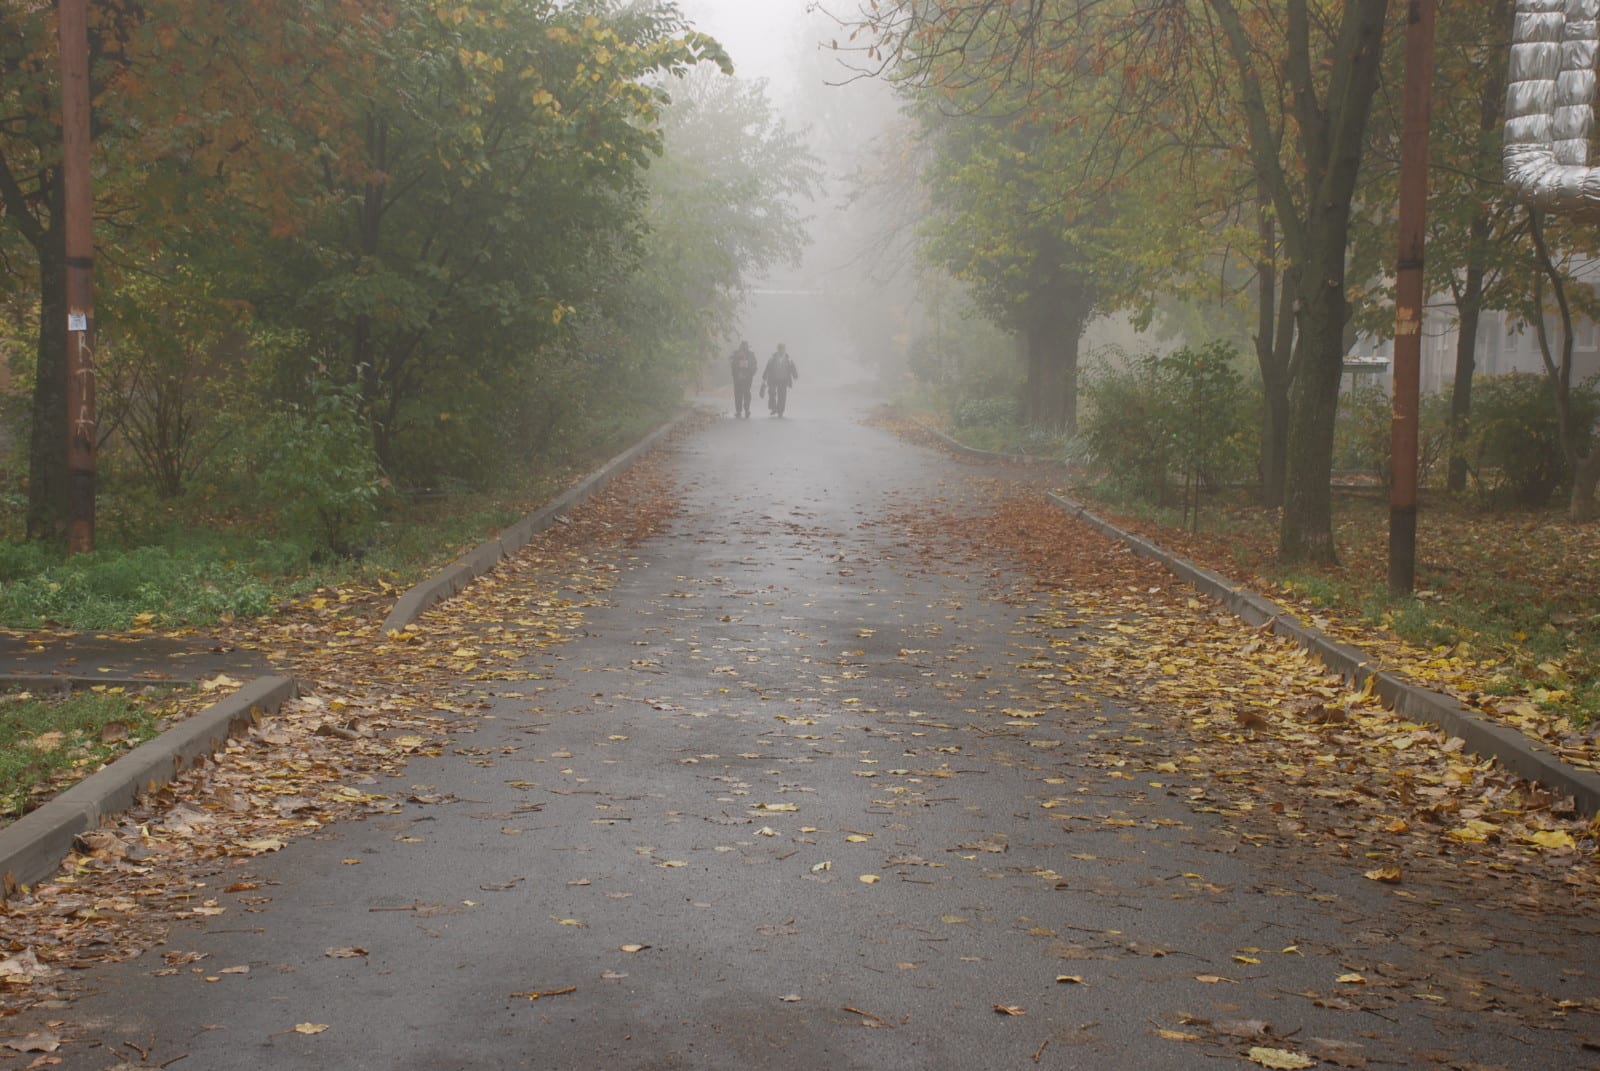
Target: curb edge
pixel 1518 752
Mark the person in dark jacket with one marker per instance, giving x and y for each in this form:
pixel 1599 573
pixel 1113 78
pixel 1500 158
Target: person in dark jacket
pixel 743 365
pixel 777 378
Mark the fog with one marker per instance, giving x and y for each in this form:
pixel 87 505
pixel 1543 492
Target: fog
pixel 843 312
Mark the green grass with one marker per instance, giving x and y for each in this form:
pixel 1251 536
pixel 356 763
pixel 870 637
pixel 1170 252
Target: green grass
pixel 197 575
pixel 50 741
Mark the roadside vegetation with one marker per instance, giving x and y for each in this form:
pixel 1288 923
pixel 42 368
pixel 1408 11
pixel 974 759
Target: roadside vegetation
pixel 50 741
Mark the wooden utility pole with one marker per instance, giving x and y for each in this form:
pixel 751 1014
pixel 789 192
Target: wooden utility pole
pixel 1409 297
pixel 82 432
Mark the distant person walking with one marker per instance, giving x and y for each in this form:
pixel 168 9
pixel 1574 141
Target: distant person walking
pixel 777 378
pixel 743 365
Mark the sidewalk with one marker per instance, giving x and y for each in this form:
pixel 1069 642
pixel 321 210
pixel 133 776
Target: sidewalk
pixel 38 658
pixel 32 847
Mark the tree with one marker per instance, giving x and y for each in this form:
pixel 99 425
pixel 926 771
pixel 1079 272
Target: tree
pixel 1028 262
pixel 502 190
pixel 1298 81
pixel 1577 437
pixel 199 111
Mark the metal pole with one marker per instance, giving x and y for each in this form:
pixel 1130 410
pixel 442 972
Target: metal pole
pixel 1409 297
pixel 82 435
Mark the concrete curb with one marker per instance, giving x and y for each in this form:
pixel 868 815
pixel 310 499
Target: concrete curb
pixel 32 847
pixel 1517 752
pixel 486 556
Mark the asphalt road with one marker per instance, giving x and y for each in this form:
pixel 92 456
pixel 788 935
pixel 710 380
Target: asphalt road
pixel 769 813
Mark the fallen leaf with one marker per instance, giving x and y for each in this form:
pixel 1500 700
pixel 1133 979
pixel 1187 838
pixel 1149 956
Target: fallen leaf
pixel 535 994
pixel 1009 1009
pixel 1389 875
pixel 351 952
pixel 43 1041
pixel 310 1028
pixel 1281 1059
pixel 868 879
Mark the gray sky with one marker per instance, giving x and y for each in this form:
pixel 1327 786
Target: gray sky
pixel 757 33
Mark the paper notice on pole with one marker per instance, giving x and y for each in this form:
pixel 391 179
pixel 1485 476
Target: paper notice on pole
pixel 77 321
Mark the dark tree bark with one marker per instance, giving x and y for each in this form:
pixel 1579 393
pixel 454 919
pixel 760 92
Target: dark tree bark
pixel 1274 345
pixel 47 437
pixel 1469 311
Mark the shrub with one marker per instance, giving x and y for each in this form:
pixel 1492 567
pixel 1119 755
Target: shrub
pixel 981 412
pixel 321 470
pixel 1153 423
pixel 1514 444
pixel 1364 432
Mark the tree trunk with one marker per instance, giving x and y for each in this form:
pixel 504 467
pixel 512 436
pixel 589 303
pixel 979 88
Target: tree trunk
pixel 1585 476
pixel 47 437
pixel 1306 533
pixel 1469 308
pixel 1033 405
pixel 1047 387
pixel 1274 346
pixel 1067 362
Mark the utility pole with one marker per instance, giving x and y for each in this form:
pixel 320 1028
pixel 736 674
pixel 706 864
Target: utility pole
pixel 1409 297
pixel 82 432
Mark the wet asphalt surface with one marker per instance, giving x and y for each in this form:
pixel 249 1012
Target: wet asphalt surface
pixel 666 836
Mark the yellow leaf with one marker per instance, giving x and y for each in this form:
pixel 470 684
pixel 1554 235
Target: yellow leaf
pixel 310 1028
pixel 1281 1059
pixel 1351 979
pixel 1176 1035
pixel 858 838
pixel 630 949
pixel 1389 875
pixel 1553 838
pixel 1072 979
pixel 672 864
pixel 1245 959
pixel 776 807
pixel 868 879
pixel 261 845
pixel 825 865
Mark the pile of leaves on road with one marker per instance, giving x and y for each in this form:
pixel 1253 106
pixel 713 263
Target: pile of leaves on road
pixel 1502 621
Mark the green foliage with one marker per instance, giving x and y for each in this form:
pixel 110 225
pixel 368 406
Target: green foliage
pixel 1514 444
pixel 1364 438
pixel 1156 423
pixel 320 471
pixel 974 412
pixel 108 589
pixel 43 738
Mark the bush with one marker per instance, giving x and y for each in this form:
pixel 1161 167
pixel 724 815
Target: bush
pixel 1154 423
pixel 985 412
pixel 1364 433
pixel 321 470
pixel 1514 444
